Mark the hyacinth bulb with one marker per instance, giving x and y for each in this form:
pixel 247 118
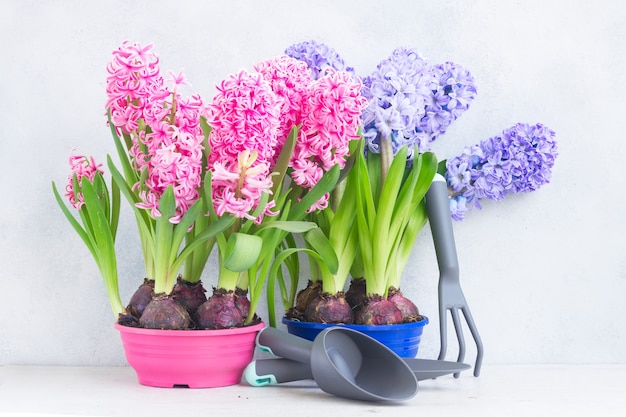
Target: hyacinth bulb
pixel 242 302
pixel 409 310
pixel 189 295
pixel 329 308
pixel 165 313
pixel 306 295
pixel 356 296
pixel 379 311
pixel 220 311
pixel 128 320
pixel 141 298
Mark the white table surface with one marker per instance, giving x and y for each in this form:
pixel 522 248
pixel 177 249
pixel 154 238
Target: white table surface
pixel 518 390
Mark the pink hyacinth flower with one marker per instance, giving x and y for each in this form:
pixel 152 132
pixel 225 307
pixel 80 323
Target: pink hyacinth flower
pixel 331 118
pixel 244 116
pixel 238 187
pixel 174 158
pixel 164 127
pixel 82 167
pixel 289 79
pixel 134 85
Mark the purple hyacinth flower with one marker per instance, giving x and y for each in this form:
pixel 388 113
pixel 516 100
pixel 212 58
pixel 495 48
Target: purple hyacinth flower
pixel 318 57
pixel 520 159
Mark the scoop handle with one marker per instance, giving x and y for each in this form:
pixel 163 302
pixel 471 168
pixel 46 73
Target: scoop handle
pixel 283 344
pixel 275 371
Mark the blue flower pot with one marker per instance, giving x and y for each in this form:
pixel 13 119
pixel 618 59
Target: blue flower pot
pixel 403 339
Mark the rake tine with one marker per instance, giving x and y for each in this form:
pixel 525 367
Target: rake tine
pixel 476 336
pixel 443 331
pixel 459 335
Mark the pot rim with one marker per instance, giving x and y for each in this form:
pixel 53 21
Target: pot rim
pixel 368 327
pixel 189 333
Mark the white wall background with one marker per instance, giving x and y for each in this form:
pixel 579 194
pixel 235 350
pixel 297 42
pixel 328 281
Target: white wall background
pixel 544 273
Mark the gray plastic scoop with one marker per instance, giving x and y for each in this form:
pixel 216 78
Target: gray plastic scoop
pixel 343 362
pixel 278 370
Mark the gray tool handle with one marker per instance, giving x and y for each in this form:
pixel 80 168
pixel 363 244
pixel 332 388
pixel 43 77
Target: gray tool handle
pixel 275 371
pixel 451 296
pixel 438 209
pixel 283 344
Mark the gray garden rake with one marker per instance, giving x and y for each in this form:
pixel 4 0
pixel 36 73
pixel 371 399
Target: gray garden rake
pixel 450 293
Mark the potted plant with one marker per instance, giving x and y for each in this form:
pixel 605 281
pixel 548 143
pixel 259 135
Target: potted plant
pixel 237 175
pixel 378 210
pixel 374 222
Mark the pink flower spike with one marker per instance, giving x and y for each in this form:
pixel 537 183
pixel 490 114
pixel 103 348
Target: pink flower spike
pixel 134 85
pixel 244 114
pixel 330 120
pixel 177 79
pixel 82 167
pixel 238 188
pixel 289 79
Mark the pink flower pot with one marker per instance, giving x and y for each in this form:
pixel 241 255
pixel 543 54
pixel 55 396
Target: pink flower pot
pixel 191 358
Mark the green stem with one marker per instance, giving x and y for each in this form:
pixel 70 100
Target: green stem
pixel 386 158
pixel 227 279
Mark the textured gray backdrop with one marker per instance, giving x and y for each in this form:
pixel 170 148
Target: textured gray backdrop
pixel 544 273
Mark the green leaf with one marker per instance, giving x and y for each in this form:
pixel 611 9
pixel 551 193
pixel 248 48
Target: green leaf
pixel 426 175
pixel 164 276
pixel 115 207
pixel 408 198
pixel 180 230
pixel 101 230
pixel 206 147
pixel 342 221
pixel 215 228
pixel 279 258
pixel 243 251
pixel 405 247
pixel 196 262
pixel 365 212
pixel 167 204
pixel 105 245
pixel 347 254
pixel 146 222
pixel 323 186
pixel 382 238
pixel 282 163
pixel 442 167
pixel 208 195
pixel 366 196
pixel 72 220
pixel 323 219
pixel 318 241
pixel 293 267
pixel 288 226
pixel 206 131
pixel 374 171
pixel 353 149
pixel 260 208
pixel 84 214
pixel 129 172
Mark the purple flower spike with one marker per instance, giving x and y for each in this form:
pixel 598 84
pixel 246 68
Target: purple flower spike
pixel 318 57
pixel 412 101
pixel 453 90
pixel 518 160
pixel 398 92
